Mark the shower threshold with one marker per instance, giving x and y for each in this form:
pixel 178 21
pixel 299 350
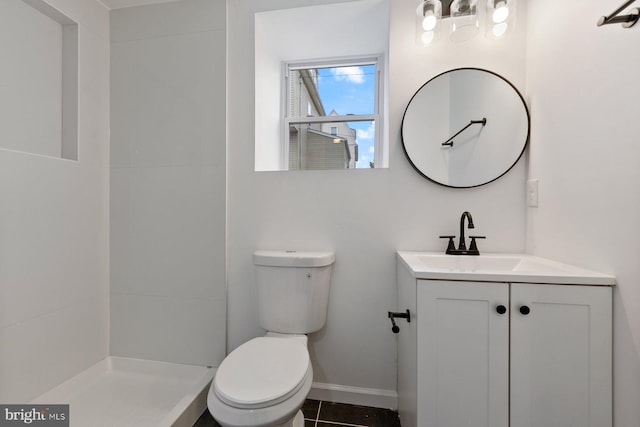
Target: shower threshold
pixel 123 392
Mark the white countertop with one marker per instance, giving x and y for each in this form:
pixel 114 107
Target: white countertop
pixel 512 268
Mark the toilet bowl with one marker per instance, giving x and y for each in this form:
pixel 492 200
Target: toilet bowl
pixel 265 381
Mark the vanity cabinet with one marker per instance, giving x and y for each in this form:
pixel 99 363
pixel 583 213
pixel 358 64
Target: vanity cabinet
pixel 498 354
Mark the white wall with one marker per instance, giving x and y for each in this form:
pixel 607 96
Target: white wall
pixel 585 150
pixel 364 215
pixel 54 249
pixel 168 296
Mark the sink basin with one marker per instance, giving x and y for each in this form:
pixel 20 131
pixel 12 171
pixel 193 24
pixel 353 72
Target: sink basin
pixel 512 268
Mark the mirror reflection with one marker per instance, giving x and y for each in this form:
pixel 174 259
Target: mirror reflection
pixel 465 127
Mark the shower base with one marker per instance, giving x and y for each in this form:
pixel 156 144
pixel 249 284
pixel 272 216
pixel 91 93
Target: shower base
pixel 122 392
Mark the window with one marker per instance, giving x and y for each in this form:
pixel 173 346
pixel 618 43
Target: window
pixel 332 110
pixel 303 38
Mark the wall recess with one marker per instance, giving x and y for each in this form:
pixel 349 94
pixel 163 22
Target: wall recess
pixel 38 80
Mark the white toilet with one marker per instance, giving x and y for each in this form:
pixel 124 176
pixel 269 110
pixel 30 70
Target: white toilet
pixel 265 381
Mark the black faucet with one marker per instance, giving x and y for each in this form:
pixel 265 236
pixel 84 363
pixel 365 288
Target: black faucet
pixel 462 246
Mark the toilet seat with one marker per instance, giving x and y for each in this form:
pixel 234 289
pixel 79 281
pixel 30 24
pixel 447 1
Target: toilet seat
pixel 262 372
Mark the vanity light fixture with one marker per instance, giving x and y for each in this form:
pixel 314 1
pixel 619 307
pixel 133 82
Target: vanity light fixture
pixel 428 21
pixel 500 11
pixel 463 18
pixel 500 17
pixel 627 21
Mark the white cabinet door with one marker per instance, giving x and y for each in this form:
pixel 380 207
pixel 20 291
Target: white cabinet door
pixel 560 356
pixel 463 348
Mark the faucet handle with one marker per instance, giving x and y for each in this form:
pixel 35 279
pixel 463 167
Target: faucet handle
pixel 472 246
pixel 451 246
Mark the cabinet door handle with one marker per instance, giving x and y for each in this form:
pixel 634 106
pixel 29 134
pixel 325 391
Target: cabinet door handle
pixel 501 309
pixel 525 310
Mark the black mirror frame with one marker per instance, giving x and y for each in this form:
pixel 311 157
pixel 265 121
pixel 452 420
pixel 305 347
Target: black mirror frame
pixel 524 147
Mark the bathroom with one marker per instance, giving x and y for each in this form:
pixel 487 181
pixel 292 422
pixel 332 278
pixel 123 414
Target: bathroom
pixel 143 246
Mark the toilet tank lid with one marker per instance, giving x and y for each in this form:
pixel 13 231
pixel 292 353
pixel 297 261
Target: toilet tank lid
pixel 293 258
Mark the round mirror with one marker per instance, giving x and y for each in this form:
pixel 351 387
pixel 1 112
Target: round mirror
pixel 465 127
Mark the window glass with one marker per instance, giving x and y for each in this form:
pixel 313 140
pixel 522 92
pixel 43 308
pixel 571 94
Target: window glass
pixel 342 102
pixel 334 90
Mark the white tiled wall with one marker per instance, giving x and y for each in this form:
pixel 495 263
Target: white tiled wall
pixel 168 294
pixel 54 248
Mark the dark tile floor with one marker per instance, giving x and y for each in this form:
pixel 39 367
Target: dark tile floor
pixel 329 414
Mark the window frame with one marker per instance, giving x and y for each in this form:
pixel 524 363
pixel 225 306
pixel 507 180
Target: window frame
pixel 376 117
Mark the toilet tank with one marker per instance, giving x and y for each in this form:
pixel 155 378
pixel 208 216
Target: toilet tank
pixel 293 290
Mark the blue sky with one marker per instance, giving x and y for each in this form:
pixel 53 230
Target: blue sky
pixel 351 90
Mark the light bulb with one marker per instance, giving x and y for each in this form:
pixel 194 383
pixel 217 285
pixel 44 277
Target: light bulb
pixel 429 22
pixel 427 37
pixel 498 30
pixel 501 12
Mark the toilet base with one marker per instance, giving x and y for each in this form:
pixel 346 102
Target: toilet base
pixel 298 420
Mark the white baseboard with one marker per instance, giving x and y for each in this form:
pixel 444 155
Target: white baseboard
pixel 376 398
